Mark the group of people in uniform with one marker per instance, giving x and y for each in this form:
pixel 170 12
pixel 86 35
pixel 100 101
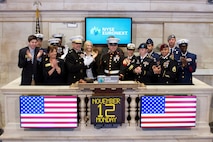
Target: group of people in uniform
pixel 59 65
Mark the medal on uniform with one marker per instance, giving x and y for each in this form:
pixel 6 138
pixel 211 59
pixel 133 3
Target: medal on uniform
pixel 145 63
pixel 166 64
pixel 116 58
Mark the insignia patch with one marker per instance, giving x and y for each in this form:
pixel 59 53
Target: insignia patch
pixel 189 59
pixel 47 65
pixel 166 64
pixel 174 69
pixel 131 67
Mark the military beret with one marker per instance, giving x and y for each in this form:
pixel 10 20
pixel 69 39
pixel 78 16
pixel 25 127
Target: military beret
pixel 149 41
pixel 170 37
pixel 142 45
pixel 163 46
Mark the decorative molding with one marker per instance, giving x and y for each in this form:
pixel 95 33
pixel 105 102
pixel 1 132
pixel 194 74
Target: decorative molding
pixel 78 16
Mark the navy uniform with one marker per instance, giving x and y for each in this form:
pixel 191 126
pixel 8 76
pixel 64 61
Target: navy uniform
pixel 155 55
pixel 186 64
pixel 146 63
pixel 129 62
pixel 62 49
pixel 174 51
pixel 74 63
pixel 168 66
pixel 112 62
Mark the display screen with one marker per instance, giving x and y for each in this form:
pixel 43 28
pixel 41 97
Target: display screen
pixel 48 112
pixel 98 29
pixel 106 110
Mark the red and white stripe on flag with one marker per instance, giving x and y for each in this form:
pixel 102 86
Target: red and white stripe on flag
pixel 48 111
pixel 168 111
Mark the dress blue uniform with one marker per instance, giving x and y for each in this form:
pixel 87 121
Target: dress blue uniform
pixel 185 71
pixel 112 62
pixel 129 63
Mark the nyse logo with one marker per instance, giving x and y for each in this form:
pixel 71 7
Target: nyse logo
pixel 95 31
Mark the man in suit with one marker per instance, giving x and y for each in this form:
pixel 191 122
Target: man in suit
pixel 29 59
pixel 186 64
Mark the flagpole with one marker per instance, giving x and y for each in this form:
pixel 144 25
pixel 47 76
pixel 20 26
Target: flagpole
pixel 38 28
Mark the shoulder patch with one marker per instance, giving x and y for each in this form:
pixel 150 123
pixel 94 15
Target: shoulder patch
pixel 174 69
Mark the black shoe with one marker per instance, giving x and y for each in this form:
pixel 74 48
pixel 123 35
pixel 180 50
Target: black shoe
pixel 1 131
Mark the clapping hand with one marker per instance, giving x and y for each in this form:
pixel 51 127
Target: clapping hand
pixel 29 56
pixel 39 53
pixel 156 69
pixel 138 70
pixel 184 61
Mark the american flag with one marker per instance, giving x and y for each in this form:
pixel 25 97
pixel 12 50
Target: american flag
pixel 168 111
pixel 48 111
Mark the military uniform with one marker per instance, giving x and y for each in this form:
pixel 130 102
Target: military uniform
pixel 112 64
pixel 168 70
pixel 175 52
pixel 75 66
pixel 146 65
pixel 129 62
pixel 145 61
pixel 129 74
pixel 184 75
pixel 155 55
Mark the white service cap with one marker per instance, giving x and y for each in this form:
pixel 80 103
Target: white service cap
pixel 77 39
pixel 113 40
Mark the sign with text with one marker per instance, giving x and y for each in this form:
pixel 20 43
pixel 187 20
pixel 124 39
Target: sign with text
pixel 106 110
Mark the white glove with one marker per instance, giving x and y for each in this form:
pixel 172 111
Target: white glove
pixel 88 60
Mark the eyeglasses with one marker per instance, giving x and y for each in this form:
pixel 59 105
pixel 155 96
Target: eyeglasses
pixel 113 44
